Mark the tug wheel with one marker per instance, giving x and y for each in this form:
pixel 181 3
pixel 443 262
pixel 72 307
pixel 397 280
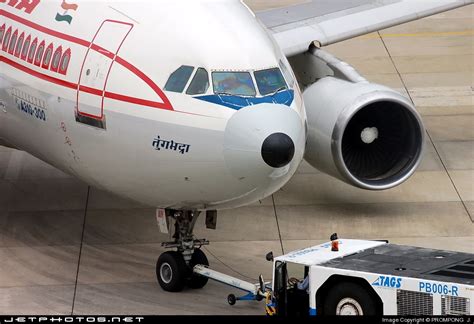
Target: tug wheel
pixel 231 299
pixel 349 298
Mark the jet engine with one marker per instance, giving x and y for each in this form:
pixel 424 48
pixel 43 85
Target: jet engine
pixel 365 134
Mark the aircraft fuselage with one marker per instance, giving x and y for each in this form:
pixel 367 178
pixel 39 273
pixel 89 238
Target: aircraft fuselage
pixel 83 87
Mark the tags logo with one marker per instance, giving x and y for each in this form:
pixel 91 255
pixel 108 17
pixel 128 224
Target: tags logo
pixel 389 282
pixel 65 16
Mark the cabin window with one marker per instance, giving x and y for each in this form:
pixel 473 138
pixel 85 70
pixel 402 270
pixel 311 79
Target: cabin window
pixel 200 83
pixel 31 54
pixel 39 54
pixel 47 57
pixel 26 46
pixel 19 45
pixel 2 33
pixel 11 48
pixel 270 81
pixel 64 64
pixel 56 59
pixel 233 84
pixel 6 41
pixel 179 78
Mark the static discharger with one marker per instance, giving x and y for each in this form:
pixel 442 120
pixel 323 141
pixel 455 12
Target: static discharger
pixel 334 243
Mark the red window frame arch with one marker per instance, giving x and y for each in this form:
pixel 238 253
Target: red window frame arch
pixel 26 48
pixel 2 33
pixel 46 61
pixel 40 53
pixel 13 40
pixel 6 39
pixel 19 44
pixel 57 53
pixel 32 51
pixel 63 70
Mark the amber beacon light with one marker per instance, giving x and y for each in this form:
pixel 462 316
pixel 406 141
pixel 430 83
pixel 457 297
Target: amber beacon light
pixel 334 243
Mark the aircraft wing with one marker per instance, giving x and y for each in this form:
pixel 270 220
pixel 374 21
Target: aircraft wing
pixel 330 21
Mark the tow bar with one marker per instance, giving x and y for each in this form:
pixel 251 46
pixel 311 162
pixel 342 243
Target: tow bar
pixel 257 292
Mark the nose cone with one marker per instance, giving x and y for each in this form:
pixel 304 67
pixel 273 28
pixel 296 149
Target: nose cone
pixel 278 150
pixel 264 145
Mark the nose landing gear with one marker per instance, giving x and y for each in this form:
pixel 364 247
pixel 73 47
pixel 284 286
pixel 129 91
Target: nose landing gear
pixel 174 269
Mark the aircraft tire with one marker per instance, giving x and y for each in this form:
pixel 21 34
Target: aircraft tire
pixel 171 271
pixel 196 281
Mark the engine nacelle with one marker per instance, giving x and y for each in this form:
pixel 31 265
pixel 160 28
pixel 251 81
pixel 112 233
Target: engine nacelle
pixel 365 134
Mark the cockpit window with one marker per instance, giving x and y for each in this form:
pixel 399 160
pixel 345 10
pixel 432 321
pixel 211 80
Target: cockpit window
pixel 233 84
pixel 200 83
pixel 288 75
pixel 270 81
pixel 179 78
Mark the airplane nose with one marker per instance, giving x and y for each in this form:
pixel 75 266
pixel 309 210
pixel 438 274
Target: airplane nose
pixel 278 150
pixel 264 143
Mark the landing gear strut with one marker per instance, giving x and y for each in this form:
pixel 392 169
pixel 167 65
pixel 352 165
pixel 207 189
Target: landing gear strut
pixel 174 269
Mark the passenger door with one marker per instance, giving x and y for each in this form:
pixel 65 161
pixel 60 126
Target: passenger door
pixel 97 65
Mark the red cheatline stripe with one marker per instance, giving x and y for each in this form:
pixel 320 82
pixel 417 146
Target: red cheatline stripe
pixel 71 85
pixel 148 81
pixel 119 97
pixel 38 75
pixel 102 51
pixel 166 103
pixel 90 90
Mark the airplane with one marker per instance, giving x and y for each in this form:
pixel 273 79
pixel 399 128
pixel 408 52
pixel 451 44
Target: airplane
pixel 202 105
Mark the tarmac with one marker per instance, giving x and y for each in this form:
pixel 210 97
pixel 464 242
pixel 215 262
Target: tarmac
pixel 66 248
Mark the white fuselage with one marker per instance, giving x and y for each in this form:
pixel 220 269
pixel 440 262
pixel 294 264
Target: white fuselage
pixel 121 55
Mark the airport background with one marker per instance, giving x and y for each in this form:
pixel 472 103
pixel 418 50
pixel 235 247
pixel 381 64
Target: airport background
pixel 67 248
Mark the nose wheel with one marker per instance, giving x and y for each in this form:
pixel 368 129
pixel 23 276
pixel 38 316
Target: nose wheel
pixel 196 281
pixel 171 271
pixel 174 269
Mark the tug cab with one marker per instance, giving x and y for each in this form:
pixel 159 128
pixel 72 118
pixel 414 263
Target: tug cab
pixel 372 278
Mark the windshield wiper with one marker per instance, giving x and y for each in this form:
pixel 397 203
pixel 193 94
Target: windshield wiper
pixel 278 90
pixel 234 95
pixel 223 93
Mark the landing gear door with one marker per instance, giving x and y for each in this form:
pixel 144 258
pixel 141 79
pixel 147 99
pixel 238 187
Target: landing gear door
pixel 97 65
pixel 280 293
